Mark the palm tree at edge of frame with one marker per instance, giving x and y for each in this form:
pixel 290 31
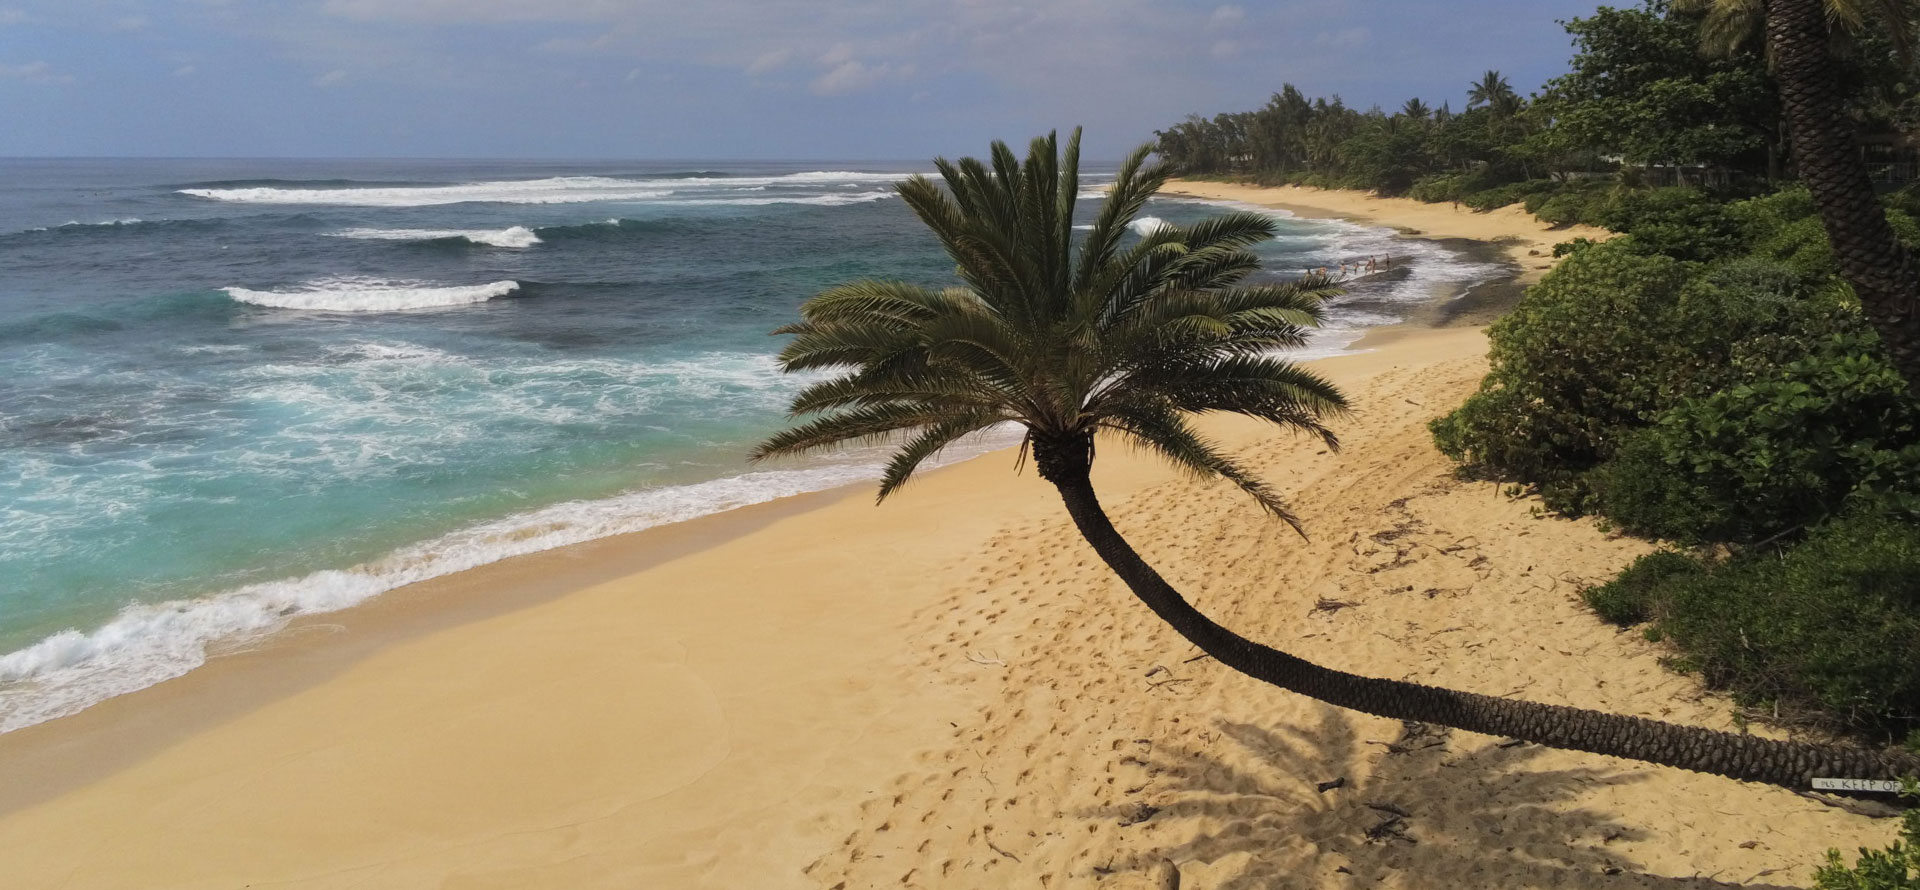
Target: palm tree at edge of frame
pixel 1826 150
pixel 1132 340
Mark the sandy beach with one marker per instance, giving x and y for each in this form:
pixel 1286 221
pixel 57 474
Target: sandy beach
pixel 945 691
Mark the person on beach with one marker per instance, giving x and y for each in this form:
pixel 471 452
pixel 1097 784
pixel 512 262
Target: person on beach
pixel 1369 265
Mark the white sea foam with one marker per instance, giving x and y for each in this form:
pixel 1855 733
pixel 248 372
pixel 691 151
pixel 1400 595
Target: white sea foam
pixel 1430 269
pixel 816 200
pixel 147 644
pixel 353 294
pixel 515 236
pixel 1146 225
pixel 552 190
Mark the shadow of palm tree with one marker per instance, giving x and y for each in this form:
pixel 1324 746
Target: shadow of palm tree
pixel 1312 806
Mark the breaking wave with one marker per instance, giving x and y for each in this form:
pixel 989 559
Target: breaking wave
pixel 372 295
pixel 513 237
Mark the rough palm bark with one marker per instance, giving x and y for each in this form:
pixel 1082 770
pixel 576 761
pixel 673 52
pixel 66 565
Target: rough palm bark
pixel 1827 152
pixel 1066 462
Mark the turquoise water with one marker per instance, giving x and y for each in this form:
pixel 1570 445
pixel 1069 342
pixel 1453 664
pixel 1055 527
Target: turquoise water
pixel 236 391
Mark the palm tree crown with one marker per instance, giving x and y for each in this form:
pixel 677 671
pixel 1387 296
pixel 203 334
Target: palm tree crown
pixel 1127 336
pixel 1491 90
pixel 1731 25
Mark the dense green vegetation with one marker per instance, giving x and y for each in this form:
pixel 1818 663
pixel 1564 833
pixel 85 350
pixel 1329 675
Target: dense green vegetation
pixel 1828 629
pixel 1640 106
pixel 1733 400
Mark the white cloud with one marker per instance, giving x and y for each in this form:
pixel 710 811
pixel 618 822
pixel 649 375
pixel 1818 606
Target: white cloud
pixel 331 78
pixel 1346 38
pixel 769 61
pixel 9 16
pixel 1225 49
pixel 840 54
pixel 37 71
pixel 183 71
pixel 1226 17
pixel 478 10
pixel 853 75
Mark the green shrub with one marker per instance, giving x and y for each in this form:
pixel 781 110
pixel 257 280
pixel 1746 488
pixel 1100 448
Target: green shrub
pixel 1826 629
pixel 1761 458
pixel 1572 203
pixel 1629 597
pixel 1587 351
pixel 1895 868
pixel 1683 223
pixel 1437 188
pixel 1497 197
pixel 1571 245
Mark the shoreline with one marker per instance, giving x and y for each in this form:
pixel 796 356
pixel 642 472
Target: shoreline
pixel 249 616
pixel 1525 240
pixel 298 692
pixel 947 690
pixel 1508 233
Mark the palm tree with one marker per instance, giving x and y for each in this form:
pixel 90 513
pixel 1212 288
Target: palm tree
pixel 1493 91
pixel 1131 340
pixel 1416 110
pixel 1827 151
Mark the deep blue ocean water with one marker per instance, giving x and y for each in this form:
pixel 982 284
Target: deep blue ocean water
pixel 232 391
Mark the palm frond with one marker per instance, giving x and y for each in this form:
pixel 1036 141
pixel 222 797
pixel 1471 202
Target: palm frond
pixel 1135 334
pixel 866 423
pixel 930 442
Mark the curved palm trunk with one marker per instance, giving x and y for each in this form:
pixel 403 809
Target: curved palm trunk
pixel 1788 764
pixel 1871 258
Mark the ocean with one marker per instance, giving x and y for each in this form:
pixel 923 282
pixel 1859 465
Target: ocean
pixel 237 391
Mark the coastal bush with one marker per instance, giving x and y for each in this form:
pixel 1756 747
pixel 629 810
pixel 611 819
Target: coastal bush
pixel 1761 458
pixel 1580 202
pixel 1439 188
pixel 1628 598
pixel 1683 223
pixel 1730 401
pixel 1501 196
pixel 1895 868
pixel 1827 629
pixel 1585 353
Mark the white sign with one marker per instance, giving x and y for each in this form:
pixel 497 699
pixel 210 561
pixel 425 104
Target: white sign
pixel 1880 785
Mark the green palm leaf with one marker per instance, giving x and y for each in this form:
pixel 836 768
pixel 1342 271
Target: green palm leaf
pixel 1131 334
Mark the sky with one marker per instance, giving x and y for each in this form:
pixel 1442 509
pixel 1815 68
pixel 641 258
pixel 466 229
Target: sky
pixel 715 79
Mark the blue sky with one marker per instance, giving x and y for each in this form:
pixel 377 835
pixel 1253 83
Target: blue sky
pixel 722 79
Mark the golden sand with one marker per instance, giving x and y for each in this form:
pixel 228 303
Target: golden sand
pixel 945 691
